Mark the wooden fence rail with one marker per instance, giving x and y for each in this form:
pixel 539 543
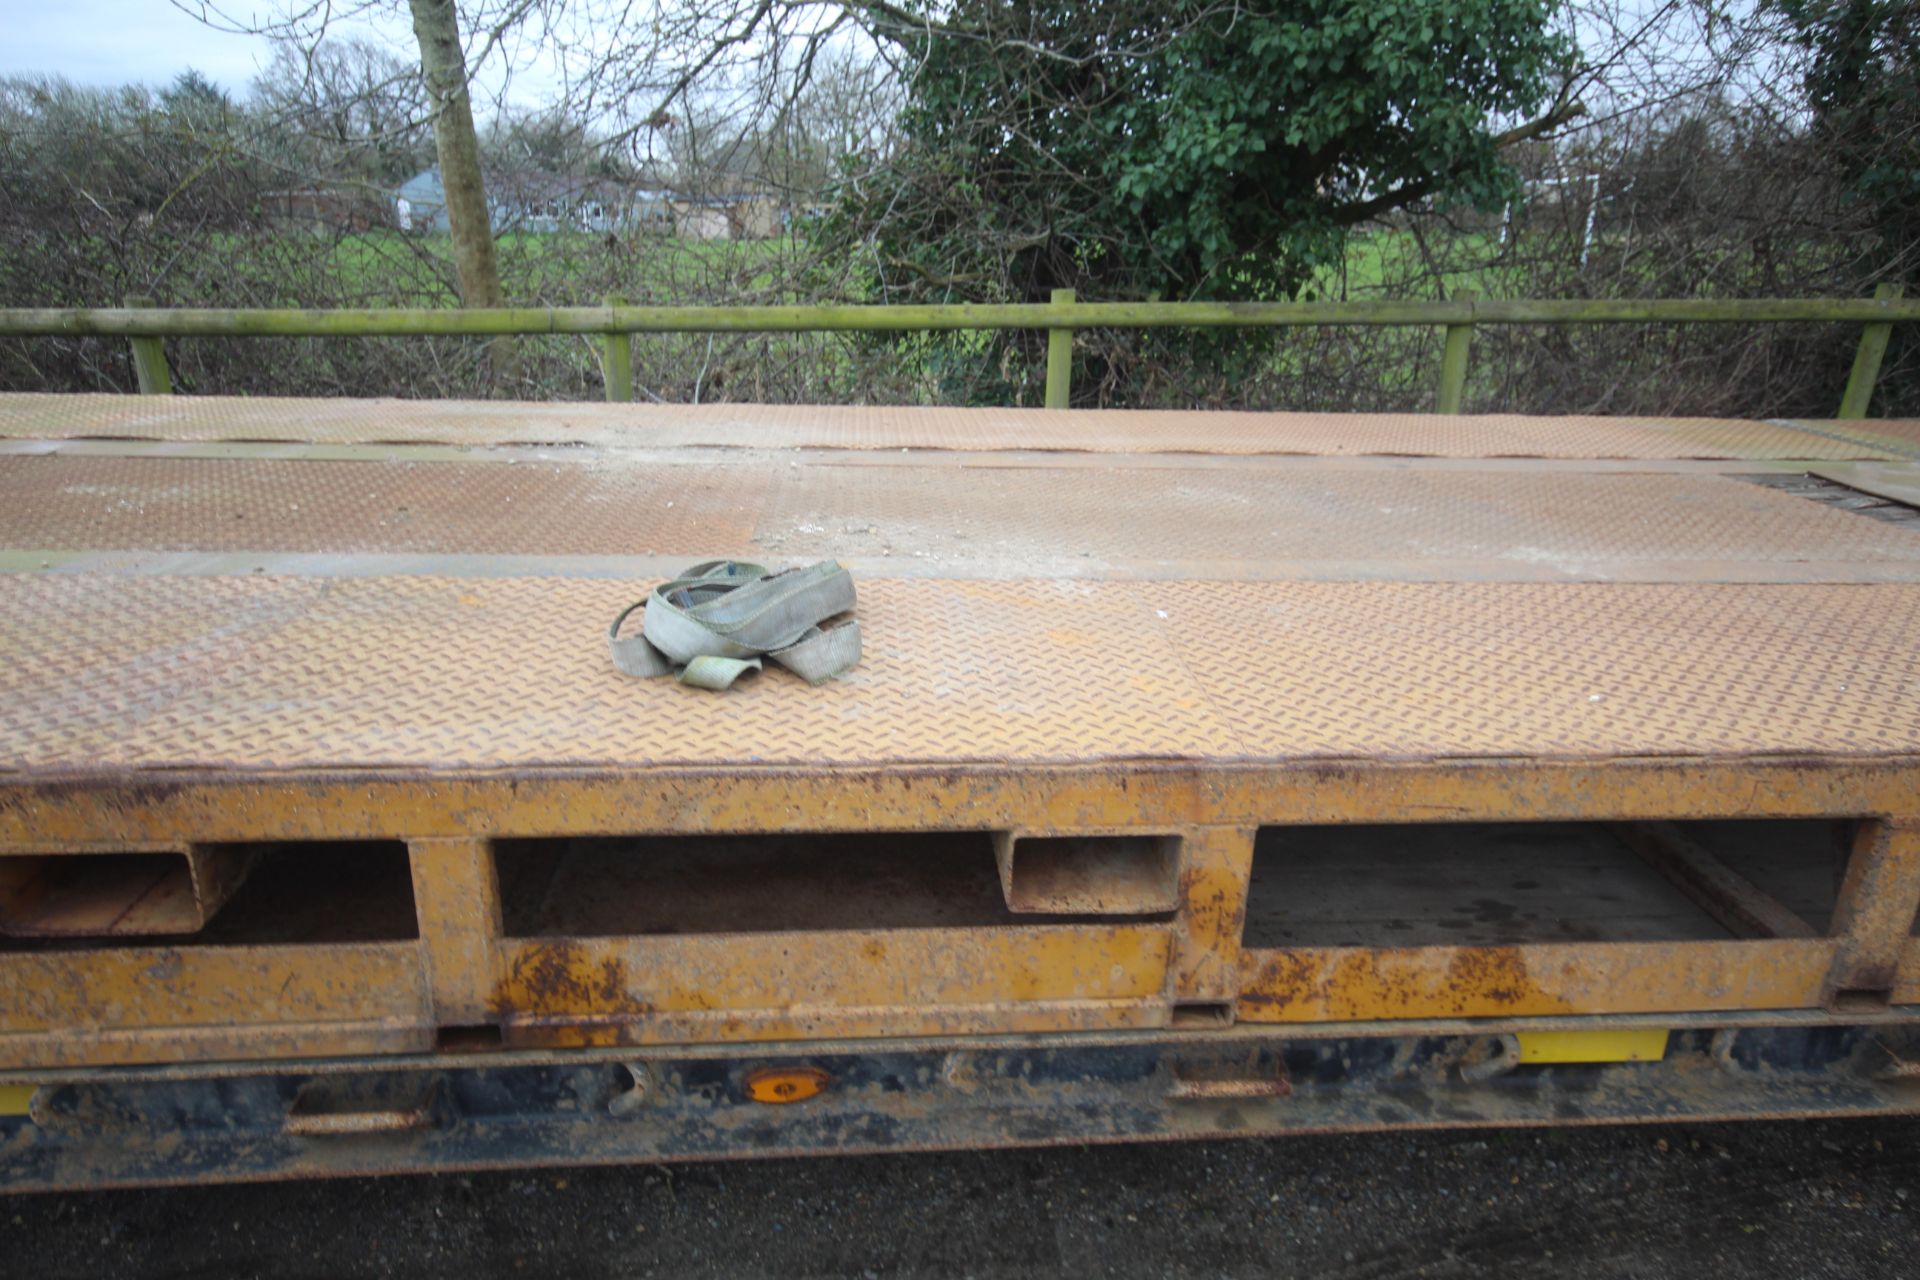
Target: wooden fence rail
pixel 146 325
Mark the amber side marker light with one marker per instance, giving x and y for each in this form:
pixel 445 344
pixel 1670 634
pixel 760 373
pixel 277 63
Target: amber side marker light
pixel 781 1085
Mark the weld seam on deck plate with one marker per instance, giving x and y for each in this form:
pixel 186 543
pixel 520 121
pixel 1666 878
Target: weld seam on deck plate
pixel 603 455
pixel 1623 571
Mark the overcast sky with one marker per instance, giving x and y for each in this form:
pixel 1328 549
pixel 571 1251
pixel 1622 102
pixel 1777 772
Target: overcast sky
pixel 110 42
pixel 113 42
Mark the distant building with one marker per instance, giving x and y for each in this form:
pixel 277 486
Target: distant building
pixel 745 215
pixel 700 219
pixel 420 203
pixel 327 208
pixel 756 217
pixel 531 200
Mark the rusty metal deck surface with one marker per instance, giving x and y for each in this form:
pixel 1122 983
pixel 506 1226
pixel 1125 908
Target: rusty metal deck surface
pixel 52 417
pixel 267 608
pixel 272 672
pixel 935 513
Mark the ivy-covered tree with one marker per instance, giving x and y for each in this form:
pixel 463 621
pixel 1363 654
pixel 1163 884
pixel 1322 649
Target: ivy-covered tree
pixel 1192 149
pixel 1862 80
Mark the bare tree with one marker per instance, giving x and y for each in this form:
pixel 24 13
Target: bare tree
pixel 443 65
pixel 347 108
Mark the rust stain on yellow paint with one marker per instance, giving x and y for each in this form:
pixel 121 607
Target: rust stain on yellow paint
pixel 915 968
pixel 413 805
pixel 757 986
pixel 1216 864
pixel 1356 984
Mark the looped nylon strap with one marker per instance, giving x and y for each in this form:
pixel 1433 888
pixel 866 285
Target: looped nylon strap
pixel 716 620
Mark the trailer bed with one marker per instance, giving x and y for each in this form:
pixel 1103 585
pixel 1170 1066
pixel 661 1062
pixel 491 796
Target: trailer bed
pixel 1204 773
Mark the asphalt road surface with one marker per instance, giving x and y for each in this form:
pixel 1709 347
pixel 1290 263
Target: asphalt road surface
pixel 1776 1200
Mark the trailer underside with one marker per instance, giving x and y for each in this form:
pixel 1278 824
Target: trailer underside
pixel 1204 774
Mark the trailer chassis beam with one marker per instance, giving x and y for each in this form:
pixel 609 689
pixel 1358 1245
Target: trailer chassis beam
pixel 131 1127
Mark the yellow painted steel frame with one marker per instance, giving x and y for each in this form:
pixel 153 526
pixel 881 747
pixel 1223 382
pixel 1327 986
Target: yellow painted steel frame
pixel 119 1004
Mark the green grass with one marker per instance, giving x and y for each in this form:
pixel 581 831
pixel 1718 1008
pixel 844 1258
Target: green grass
pixel 1378 260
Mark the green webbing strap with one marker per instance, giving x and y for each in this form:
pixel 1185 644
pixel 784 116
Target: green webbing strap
pixel 718 619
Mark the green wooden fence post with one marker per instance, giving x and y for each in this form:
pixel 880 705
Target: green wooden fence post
pixel 1060 359
pixel 1866 361
pixel 150 360
pixel 616 359
pixel 1453 360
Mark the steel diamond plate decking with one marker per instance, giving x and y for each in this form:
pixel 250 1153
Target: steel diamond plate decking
pixel 275 673
pixel 1005 520
pixel 1262 620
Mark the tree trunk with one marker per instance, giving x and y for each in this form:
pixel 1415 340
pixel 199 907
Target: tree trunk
pixel 443 64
